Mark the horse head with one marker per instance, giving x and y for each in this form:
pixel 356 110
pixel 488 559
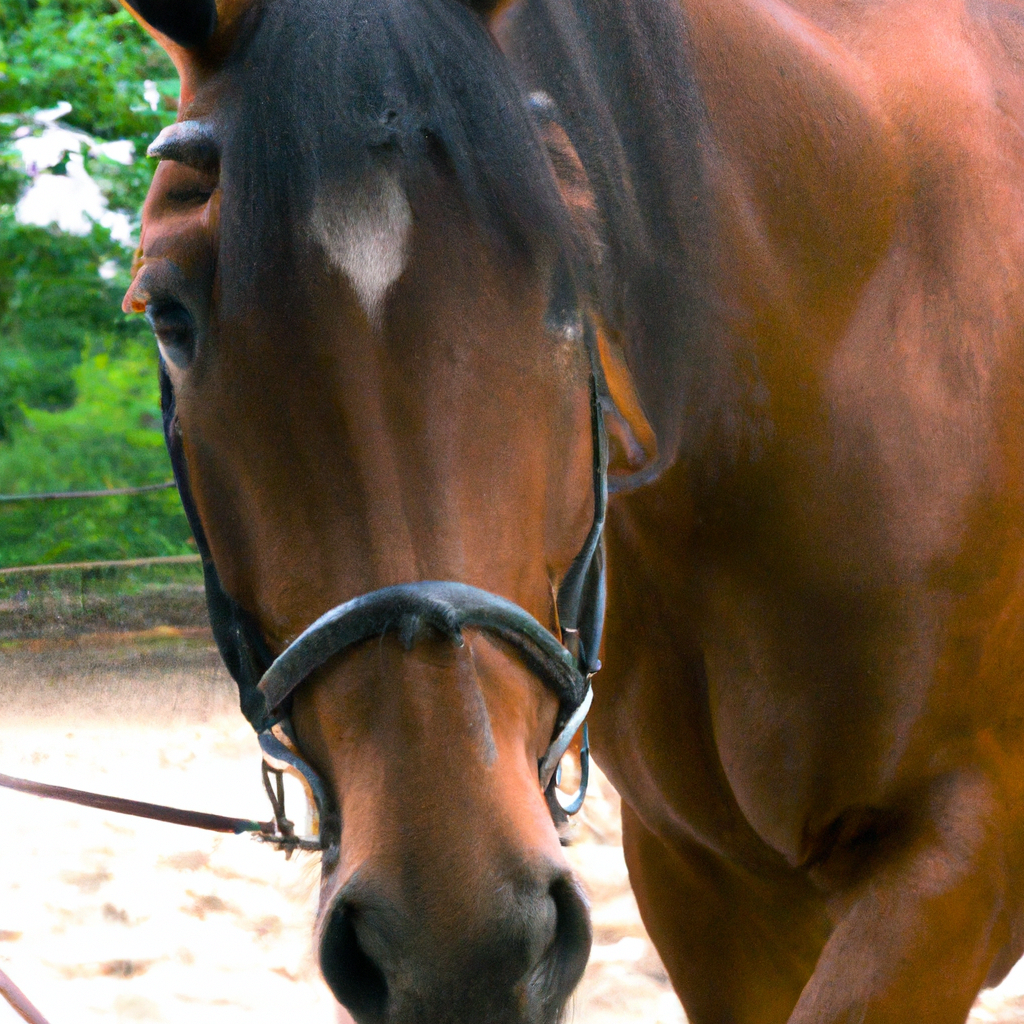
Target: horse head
pixel 359 267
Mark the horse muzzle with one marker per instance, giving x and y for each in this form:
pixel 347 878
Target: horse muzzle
pixel 512 957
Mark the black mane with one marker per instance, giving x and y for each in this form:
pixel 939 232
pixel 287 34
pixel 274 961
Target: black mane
pixel 621 74
pixel 321 90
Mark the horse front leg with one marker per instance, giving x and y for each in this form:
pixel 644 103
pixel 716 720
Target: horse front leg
pixel 917 934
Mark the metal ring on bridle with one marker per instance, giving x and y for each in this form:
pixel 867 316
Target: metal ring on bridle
pixel 449 607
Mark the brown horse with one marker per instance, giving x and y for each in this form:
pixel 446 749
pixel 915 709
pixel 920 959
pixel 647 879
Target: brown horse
pixel 373 254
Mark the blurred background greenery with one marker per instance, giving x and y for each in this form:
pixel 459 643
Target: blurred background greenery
pixel 79 403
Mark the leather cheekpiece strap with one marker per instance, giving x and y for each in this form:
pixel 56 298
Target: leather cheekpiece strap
pixel 445 606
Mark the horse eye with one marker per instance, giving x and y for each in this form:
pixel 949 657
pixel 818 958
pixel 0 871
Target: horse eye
pixel 190 195
pixel 175 333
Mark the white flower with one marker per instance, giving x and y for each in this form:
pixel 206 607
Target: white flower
pixel 72 201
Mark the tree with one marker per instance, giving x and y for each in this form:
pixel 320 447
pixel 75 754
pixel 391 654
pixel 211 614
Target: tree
pixel 78 394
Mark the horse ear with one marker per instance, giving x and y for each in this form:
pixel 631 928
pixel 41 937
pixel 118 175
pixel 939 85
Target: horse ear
pixel 189 23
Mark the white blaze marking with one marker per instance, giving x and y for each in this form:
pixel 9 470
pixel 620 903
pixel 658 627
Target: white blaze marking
pixel 365 231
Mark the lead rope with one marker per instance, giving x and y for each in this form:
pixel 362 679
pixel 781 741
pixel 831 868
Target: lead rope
pixel 19 1002
pixel 266 831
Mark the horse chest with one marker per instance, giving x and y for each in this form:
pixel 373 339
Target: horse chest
pixel 796 590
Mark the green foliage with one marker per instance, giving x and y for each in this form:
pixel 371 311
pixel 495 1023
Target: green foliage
pixel 110 437
pixel 79 404
pixel 90 53
pixel 52 300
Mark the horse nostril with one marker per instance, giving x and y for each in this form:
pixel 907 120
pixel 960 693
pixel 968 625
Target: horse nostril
pixel 356 981
pixel 526 946
pixel 562 965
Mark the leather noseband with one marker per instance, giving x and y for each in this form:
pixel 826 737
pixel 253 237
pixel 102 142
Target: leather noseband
pixel 266 684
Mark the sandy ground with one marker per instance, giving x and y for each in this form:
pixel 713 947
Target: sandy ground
pixel 110 918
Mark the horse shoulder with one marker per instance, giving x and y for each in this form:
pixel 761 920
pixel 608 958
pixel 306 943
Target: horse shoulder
pixel 874 261
pixel 808 168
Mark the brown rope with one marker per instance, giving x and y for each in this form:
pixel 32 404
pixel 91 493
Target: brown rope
pixel 138 808
pixel 19 1001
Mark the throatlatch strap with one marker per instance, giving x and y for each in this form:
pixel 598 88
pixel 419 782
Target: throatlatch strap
pixel 238 637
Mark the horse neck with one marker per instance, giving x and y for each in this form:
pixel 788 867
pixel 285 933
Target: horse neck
pixel 620 74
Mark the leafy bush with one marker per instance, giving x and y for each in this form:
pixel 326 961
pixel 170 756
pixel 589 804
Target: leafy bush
pixel 52 301
pixel 79 406
pixel 109 438
pixel 92 54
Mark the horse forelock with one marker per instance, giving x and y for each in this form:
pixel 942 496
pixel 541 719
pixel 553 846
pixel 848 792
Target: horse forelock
pixel 335 110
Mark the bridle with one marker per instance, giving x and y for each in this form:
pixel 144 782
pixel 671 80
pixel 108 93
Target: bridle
pixel 565 663
pixel 565 666
pixel 266 685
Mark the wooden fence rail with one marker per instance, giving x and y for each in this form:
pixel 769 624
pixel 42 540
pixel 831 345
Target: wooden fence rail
pixel 71 495
pixel 121 563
